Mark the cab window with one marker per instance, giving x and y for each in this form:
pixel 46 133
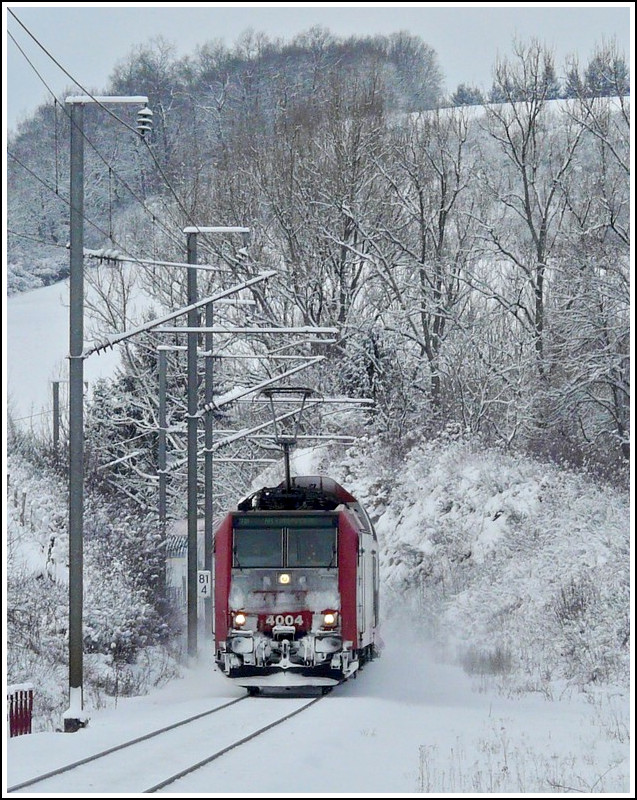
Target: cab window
pixel 311 547
pixel 254 547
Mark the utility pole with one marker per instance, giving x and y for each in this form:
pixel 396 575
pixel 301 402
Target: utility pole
pixel 161 457
pixel 208 468
pixel 193 321
pixel 56 415
pixel 74 717
pixel 193 418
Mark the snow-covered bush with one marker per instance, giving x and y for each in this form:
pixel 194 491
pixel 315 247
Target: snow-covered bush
pixel 32 272
pixel 128 644
pixel 513 566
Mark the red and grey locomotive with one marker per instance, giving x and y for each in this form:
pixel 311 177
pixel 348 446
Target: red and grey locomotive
pixel 296 587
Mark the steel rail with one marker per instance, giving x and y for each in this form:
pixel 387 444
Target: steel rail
pixel 225 750
pixel 122 746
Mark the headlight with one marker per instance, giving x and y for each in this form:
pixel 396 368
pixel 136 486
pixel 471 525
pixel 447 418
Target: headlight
pixel 284 579
pixel 239 619
pixel 329 619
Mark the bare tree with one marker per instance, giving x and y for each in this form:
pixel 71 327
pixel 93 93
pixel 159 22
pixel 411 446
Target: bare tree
pixel 528 187
pixel 422 242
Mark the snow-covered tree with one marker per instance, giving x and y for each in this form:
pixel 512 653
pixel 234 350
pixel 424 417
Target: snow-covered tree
pixel 466 95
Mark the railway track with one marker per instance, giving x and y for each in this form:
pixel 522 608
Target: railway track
pixel 149 763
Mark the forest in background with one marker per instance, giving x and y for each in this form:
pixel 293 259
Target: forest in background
pixel 475 258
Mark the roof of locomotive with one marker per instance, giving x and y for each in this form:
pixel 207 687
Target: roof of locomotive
pixel 307 492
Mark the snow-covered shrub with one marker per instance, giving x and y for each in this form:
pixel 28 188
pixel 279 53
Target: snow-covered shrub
pixel 480 661
pixel 127 641
pixel 34 271
pixel 516 567
pixel 377 364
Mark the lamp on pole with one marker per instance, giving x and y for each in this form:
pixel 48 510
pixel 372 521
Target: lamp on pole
pixel 74 717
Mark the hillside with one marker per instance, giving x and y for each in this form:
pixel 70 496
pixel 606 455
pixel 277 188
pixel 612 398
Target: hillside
pixel 513 568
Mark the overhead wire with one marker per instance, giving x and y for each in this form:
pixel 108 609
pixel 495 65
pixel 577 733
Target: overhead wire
pixel 52 189
pixel 104 233
pixel 154 218
pixel 68 74
pixel 33 239
pixel 11 36
pixel 112 171
pixel 31 416
pixel 133 194
pixel 109 112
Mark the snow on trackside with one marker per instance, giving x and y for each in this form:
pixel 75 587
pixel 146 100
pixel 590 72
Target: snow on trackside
pixel 408 724
pixel 512 564
pixel 504 589
pixel 36 519
pixel 505 616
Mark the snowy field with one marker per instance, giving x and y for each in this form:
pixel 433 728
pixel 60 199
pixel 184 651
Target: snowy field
pixel 37 341
pixel 37 345
pixel 407 725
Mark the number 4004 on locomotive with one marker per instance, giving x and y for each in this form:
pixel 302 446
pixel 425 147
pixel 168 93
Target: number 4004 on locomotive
pixel 296 587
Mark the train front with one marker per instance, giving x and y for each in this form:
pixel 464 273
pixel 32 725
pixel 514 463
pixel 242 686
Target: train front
pixel 285 598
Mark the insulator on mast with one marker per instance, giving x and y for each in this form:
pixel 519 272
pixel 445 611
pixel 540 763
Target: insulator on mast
pixel 144 120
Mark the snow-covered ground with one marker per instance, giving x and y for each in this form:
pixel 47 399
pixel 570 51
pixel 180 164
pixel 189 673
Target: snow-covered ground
pixel 37 340
pixel 37 346
pixel 414 721
pixel 408 724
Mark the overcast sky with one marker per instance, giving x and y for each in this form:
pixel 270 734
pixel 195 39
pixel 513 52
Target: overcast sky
pixel 89 39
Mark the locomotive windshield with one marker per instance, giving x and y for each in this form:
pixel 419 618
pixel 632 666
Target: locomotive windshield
pixel 258 547
pixel 307 540
pixel 311 547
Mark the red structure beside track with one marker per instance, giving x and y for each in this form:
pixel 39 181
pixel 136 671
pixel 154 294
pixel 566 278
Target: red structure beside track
pixel 20 708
